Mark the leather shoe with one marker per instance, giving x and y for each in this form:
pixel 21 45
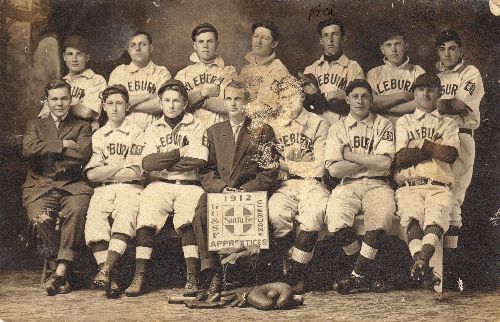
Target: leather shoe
pixel 113 291
pixel 53 284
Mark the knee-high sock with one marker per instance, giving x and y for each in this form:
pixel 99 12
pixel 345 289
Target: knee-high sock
pixel 190 249
pixel 415 234
pixel 117 246
pixel 303 247
pixel 369 248
pixel 100 251
pixel 144 248
pixel 431 239
pixel 349 241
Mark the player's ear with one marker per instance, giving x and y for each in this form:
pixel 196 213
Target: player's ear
pixel 343 38
pixel 87 58
pixel 194 45
pixel 275 44
pixel 347 100
pixel 151 48
pixel 382 49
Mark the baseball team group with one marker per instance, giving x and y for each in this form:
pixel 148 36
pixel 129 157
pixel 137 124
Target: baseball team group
pixel 328 146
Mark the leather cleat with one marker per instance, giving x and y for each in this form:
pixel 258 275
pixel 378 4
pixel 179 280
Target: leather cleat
pixel 53 284
pixel 137 287
pixel 424 275
pixel 215 285
pixel 113 291
pixel 101 280
pixel 192 285
pixel 347 284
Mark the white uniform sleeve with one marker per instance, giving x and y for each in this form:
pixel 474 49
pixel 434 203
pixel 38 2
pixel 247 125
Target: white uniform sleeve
pixel 198 143
pixel 98 159
pixel 385 139
pixel 334 144
pixel 92 93
pixel 471 90
pixel 371 78
pixel 402 138
pixel 450 134
pixel 134 158
pixel 149 140
pixel 163 76
pixel 354 72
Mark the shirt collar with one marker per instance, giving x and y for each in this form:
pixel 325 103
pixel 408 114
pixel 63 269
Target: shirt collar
pixel 419 114
pixel 342 61
pixel 149 69
pixel 440 67
pixel 301 119
pixel 88 73
pixel 250 57
pixel 368 121
pixel 219 62
pixel 56 117
pixel 234 124
pixel 187 119
pixel 404 65
pixel 126 127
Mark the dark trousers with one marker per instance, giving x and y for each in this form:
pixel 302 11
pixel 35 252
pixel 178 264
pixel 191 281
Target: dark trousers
pixel 71 210
pixel 200 227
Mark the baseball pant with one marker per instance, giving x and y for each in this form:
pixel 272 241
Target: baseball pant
pixel 428 204
pixel 371 196
pixel 159 199
pixel 119 202
pixel 303 201
pixel 71 209
pixel 200 227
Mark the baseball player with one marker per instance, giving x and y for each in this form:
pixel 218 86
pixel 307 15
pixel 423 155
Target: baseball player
pixel 301 197
pixel 392 82
pixel 263 69
pixel 359 150
pixel 207 77
pixel 461 93
pixel 334 70
pixel 116 167
pixel 427 144
pixel 142 79
pixel 176 146
pixel 85 84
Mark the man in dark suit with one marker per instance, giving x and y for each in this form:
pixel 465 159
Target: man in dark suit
pixel 241 158
pixel 57 147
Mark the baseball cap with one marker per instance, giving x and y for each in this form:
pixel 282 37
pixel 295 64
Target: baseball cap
pixel 275 33
pixel 78 42
pixel 358 83
pixel 427 80
pixel 175 85
pixel 448 35
pixel 204 27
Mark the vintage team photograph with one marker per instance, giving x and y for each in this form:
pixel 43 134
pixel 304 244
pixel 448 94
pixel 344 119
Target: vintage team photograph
pixel 260 160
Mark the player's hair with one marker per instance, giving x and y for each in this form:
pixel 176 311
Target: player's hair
pixel 275 33
pixel 114 89
pixel 331 21
pixel 238 85
pixel 391 33
pixel 140 32
pixel 448 35
pixel 202 28
pixel 57 83
pixel 358 83
pixel 174 85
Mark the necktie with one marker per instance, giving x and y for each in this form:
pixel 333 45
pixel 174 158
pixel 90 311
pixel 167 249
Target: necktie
pixel 236 132
pixel 58 122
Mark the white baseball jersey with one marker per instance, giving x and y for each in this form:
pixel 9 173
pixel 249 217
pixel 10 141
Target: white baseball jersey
pixel 373 135
pixel 189 134
pixel 464 82
pixel 389 79
pixel 307 134
pixel 217 73
pixel 412 129
pixel 85 89
pixel 114 145
pixel 140 81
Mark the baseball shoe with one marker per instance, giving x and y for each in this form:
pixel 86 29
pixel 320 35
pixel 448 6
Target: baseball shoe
pixel 192 285
pixel 101 280
pixel 215 285
pixel 113 291
pixel 423 274
pixel 54 283
pixel 137 287
pixel 353 282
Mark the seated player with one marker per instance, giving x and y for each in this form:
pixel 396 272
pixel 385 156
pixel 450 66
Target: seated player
pixel 175 150
pixel 359 150
pixel 241 158
pixel 116 168
pixel 427 144
pixel 301 197
pixel 57 148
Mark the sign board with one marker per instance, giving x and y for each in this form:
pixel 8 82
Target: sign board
pixel 237 218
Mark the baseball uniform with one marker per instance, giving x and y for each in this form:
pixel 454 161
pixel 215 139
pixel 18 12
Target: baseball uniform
pixel 198 74
pixel 464 82
pixel 140 81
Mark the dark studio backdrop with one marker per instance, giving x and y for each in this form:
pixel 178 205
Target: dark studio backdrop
pixel 26 66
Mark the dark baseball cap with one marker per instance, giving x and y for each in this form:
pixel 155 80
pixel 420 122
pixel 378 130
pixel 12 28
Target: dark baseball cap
pixel 204 27
pixel 448 35
pixel 275 33
pixel 427 80
pixel 175 85
pixel 358 83
pixel 77 42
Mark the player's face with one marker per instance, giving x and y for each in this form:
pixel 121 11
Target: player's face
pixel 426 97
pixel 331 40
pixel 235 101
pixel 359 101
pixel 115 107
pixel 205 46
pixel 262 42
pixel 172 103
pixel 140 49
pixel 291 100
pixel 450 54
pixel 59 101
pixel 394 50
pixel 75 60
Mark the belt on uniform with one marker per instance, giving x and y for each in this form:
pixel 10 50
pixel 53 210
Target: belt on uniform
pixel 466 131
pixel 293 176
pixel 419 182
pixel 184 182
pixel 347 179
pixel 125 182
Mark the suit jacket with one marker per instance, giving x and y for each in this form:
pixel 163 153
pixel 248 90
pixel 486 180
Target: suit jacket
pixel 236 165
pixel 51 166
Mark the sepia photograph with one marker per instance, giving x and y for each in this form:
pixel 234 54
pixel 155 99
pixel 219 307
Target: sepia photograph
pixel 260 160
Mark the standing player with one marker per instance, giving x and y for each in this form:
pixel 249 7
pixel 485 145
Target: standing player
pixel 175 150
pixel 392 82
pixel 359 150
pixel 141 78
pixel 116 166
pixel 334 70
pixel 461 93
pixel 426 146
pixel 85 84
pixel 206 79
pixel 301 197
